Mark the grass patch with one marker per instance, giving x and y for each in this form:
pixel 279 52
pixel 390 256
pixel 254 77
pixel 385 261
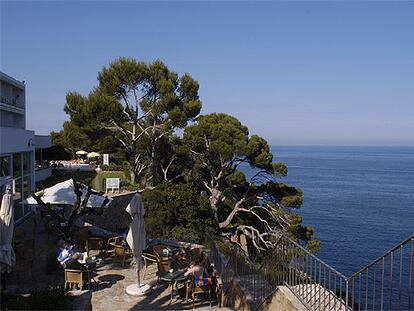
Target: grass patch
pixel 100 179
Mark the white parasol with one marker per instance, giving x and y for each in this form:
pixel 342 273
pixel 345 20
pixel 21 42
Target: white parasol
pixel 93 154
pixel 64 193
pixel 136 240
pixel 7 256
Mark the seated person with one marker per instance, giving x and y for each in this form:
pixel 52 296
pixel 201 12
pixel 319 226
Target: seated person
pixel 70 259
pixel 195 270
pixel 176 262
pixel 205 263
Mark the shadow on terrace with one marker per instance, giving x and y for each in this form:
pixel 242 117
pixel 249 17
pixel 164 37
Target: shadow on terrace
pixel 37 267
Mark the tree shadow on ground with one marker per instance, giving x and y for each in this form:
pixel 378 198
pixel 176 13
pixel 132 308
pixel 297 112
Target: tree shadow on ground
pixel 156 300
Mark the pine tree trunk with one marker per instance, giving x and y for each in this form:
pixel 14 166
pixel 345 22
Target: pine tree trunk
pixel 154 164
pixel 132 168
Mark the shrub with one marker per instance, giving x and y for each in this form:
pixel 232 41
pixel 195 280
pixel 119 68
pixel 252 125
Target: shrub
pixel 113 168
pixel 177 211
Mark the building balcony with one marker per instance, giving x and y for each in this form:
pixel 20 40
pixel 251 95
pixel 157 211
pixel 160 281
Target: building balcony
pixel 9 107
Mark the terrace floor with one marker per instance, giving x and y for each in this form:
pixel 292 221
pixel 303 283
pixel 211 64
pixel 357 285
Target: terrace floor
pixel 109 293
pixel 109 290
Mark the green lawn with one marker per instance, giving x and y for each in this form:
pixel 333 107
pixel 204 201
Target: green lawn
pixel 99 181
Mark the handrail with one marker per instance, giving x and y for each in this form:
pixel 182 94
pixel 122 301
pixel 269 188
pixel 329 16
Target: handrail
pixel 382 256
pixel 385 283
pixel 314 257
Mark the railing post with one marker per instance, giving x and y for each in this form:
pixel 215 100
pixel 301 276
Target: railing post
pixel 346 293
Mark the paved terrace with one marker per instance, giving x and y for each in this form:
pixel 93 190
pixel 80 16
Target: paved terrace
pixel 108 292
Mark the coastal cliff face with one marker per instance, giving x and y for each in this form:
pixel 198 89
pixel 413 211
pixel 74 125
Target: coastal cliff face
pixel 114 217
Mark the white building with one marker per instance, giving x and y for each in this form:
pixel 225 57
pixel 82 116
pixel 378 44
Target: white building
pixel 17 145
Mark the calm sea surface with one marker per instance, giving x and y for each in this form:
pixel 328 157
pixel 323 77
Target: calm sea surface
pixel 359 200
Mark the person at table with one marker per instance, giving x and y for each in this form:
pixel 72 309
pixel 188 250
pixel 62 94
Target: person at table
pixel 176 262
pixel 70 259
pixel 196 270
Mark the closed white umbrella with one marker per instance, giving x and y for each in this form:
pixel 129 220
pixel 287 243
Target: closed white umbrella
pixel 64 193
pixel 136 240
pixel 7 256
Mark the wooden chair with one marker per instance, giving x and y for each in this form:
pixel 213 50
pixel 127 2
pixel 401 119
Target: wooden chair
pixel 195 288
pixel 77 277
pixel 158 250
pixel 94 243
pixel 122 252
pixel 148 260
pixel 112 242
pixel 163 267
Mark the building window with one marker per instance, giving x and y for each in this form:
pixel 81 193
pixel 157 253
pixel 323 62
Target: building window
pixel 26 163
pixel 22 176
pixel 17 162
pixel 5 166
pixel 26 193
pixel 17 199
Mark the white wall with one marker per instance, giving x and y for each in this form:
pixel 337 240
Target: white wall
pixel 16 140
pixel 43 141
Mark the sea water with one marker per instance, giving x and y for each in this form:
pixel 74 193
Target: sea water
pixel 359 200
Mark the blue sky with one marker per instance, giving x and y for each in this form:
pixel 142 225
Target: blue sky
pixel 337 73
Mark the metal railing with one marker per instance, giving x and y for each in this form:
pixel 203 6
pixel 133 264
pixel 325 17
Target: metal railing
pixel 251 278
pixel 216 257
pixel 387 282
pixel 316 284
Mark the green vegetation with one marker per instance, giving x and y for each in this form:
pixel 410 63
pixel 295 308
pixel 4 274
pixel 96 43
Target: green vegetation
pixel 99 181
pixel 196 182
pixel 177 211
pixel 59 176
pixel 135 108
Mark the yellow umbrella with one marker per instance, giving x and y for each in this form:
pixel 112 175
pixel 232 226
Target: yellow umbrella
pixel 93 155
